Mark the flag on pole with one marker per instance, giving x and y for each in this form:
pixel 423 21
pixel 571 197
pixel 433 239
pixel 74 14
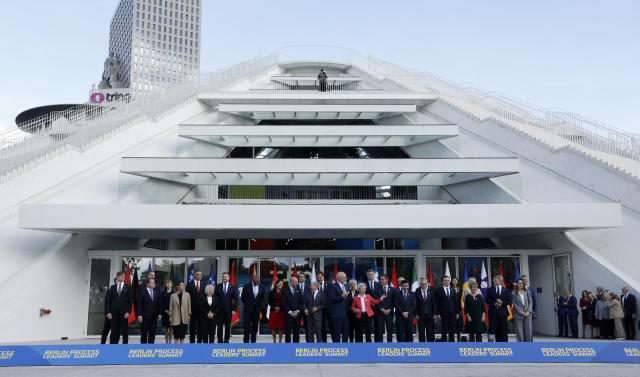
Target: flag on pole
pixel 274 276
pixel 446 269
pixel 415 284
pixel 484 287
pixel 313 272
pixel 516 277
pixel 394 276
pixel 510 317
pixel 190 278
pixel 149 269
pixel 431 283
pixel 172 276
pixel 375 270
pixel 236 317
pixel 212 276
pixel 465 286
pixel 127 280
pixel 295 270
pixel 335 271
pixel 353 271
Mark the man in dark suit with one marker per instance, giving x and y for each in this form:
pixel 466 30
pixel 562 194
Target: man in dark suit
pixel 338 293
pixel 293 307
pixel 447 307
pixel 426 311
pixel 561 311
pixel 106 327
pixel 385 309
pixel 119 306
pixel 571 303
pixel 227 297
pixel 314 306
pixel 628 302
pixel 498 297
pixel 148 312
pixel 405 308
pixel 304 287
pixel 323 287
pixel 195 288
pixel 373 290
pixel 252 297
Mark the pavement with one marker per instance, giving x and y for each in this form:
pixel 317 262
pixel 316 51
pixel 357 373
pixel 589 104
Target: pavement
pixel 332 370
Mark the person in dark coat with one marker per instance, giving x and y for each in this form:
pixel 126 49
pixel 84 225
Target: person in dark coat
pixel 252 297
pixel 293 308
pixel 165 300
pixel 386 309
pixel 351 317
pixel 498 298
pixel 405 308
pixel 106 327
pixel 338 293
pixel 323 287
pixel 448 308
pixel 628 302
pixel 195 288
pixel 208 311
pixel 149 312
pixel 227 296
pixel 314 306
pixel 120 297
pixel 426 311
pixel 571 305
pixel 561 311
pixel 476 311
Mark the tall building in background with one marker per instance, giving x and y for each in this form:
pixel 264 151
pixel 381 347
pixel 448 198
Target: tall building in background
pixel 153 43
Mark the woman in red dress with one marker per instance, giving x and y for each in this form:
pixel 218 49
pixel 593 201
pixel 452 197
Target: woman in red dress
pixel 276 316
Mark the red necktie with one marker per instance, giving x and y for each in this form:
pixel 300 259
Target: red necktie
pixel 198 286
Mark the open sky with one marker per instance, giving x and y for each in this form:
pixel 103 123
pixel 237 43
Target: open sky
pixel 581 56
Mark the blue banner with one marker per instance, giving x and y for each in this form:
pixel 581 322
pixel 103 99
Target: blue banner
pixel 579 352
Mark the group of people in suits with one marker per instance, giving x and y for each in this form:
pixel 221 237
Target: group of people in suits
pixel 197 308
pixel 352 312
pixel 604 313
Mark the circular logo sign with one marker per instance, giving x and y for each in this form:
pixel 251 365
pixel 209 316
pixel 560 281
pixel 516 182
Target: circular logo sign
pixel 97 98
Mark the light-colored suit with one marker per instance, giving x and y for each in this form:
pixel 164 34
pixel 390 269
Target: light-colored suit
pixel 178 312
pixel 522 324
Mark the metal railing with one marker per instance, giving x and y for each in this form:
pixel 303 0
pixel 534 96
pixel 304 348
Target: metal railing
pixel 80 128
pixel 214 194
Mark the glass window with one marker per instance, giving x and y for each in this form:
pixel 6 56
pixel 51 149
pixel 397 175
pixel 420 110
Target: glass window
pixel 169 269
pixel 439 266
pixel 366 263
pixel 137 265
pixel 267 266
pixel 242 268
pixel 474 269
pixel 99 284
pixel 403 265
pixel 344 264
pixel 204 265
pixel 305 265
pixel 508 269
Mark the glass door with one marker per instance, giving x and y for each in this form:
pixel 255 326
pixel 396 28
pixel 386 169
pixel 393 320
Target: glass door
pixel 99 282
pixel 562 273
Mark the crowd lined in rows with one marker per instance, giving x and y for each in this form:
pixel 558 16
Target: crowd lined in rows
pixel 349 311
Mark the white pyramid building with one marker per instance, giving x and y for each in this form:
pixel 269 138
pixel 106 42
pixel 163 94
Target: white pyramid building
pixel 254 167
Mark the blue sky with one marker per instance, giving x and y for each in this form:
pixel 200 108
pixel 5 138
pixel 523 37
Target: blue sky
pixel 576 55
